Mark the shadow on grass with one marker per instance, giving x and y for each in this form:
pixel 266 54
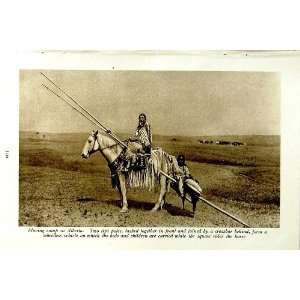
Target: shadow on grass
pixel 86 199
pixel 131 203
pixel 177 211
pixel 141 205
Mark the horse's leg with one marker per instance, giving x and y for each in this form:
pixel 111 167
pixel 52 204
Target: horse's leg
pixel 122 181
pixel 163 202
pixel 163 191
pixel 168 186
pixel 183 200
pixel 120 192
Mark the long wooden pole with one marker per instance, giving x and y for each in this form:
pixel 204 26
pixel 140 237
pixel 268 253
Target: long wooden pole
pixel 50 90
pixel 94 120
pixel 211 204
pixel 76 102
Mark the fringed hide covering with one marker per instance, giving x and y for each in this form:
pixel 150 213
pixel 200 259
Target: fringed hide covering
pixel 149 177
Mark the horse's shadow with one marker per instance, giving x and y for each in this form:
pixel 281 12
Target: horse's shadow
pixel 177 211
pixel 131 203
pixel 142 205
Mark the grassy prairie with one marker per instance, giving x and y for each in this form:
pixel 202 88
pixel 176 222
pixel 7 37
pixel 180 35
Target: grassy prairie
pixel 58 188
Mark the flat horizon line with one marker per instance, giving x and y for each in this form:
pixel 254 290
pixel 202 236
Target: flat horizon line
pixel 130 134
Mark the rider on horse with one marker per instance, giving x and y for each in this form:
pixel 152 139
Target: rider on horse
pixel 140 146
pixel 143 134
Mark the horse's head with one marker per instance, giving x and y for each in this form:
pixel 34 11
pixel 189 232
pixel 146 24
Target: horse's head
pixel 91 145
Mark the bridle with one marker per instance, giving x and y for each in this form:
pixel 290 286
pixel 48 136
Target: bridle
pixel 101 149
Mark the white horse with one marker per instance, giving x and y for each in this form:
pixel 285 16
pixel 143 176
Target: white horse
pixel 114 153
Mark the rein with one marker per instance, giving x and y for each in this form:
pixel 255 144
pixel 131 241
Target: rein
pixel 101 149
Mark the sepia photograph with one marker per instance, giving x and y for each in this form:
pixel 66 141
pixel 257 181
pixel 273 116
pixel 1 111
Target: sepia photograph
pixel 149 148
pixel 144 141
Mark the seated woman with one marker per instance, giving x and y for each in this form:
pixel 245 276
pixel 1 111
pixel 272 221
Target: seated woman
pixel 143 134
pixel 140 145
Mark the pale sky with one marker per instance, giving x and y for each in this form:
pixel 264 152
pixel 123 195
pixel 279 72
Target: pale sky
pixel 176 102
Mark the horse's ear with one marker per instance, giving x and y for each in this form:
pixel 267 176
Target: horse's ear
pixel 96 132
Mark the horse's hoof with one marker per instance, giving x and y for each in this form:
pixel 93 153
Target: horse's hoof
pixel 124 210
pixel 154 209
